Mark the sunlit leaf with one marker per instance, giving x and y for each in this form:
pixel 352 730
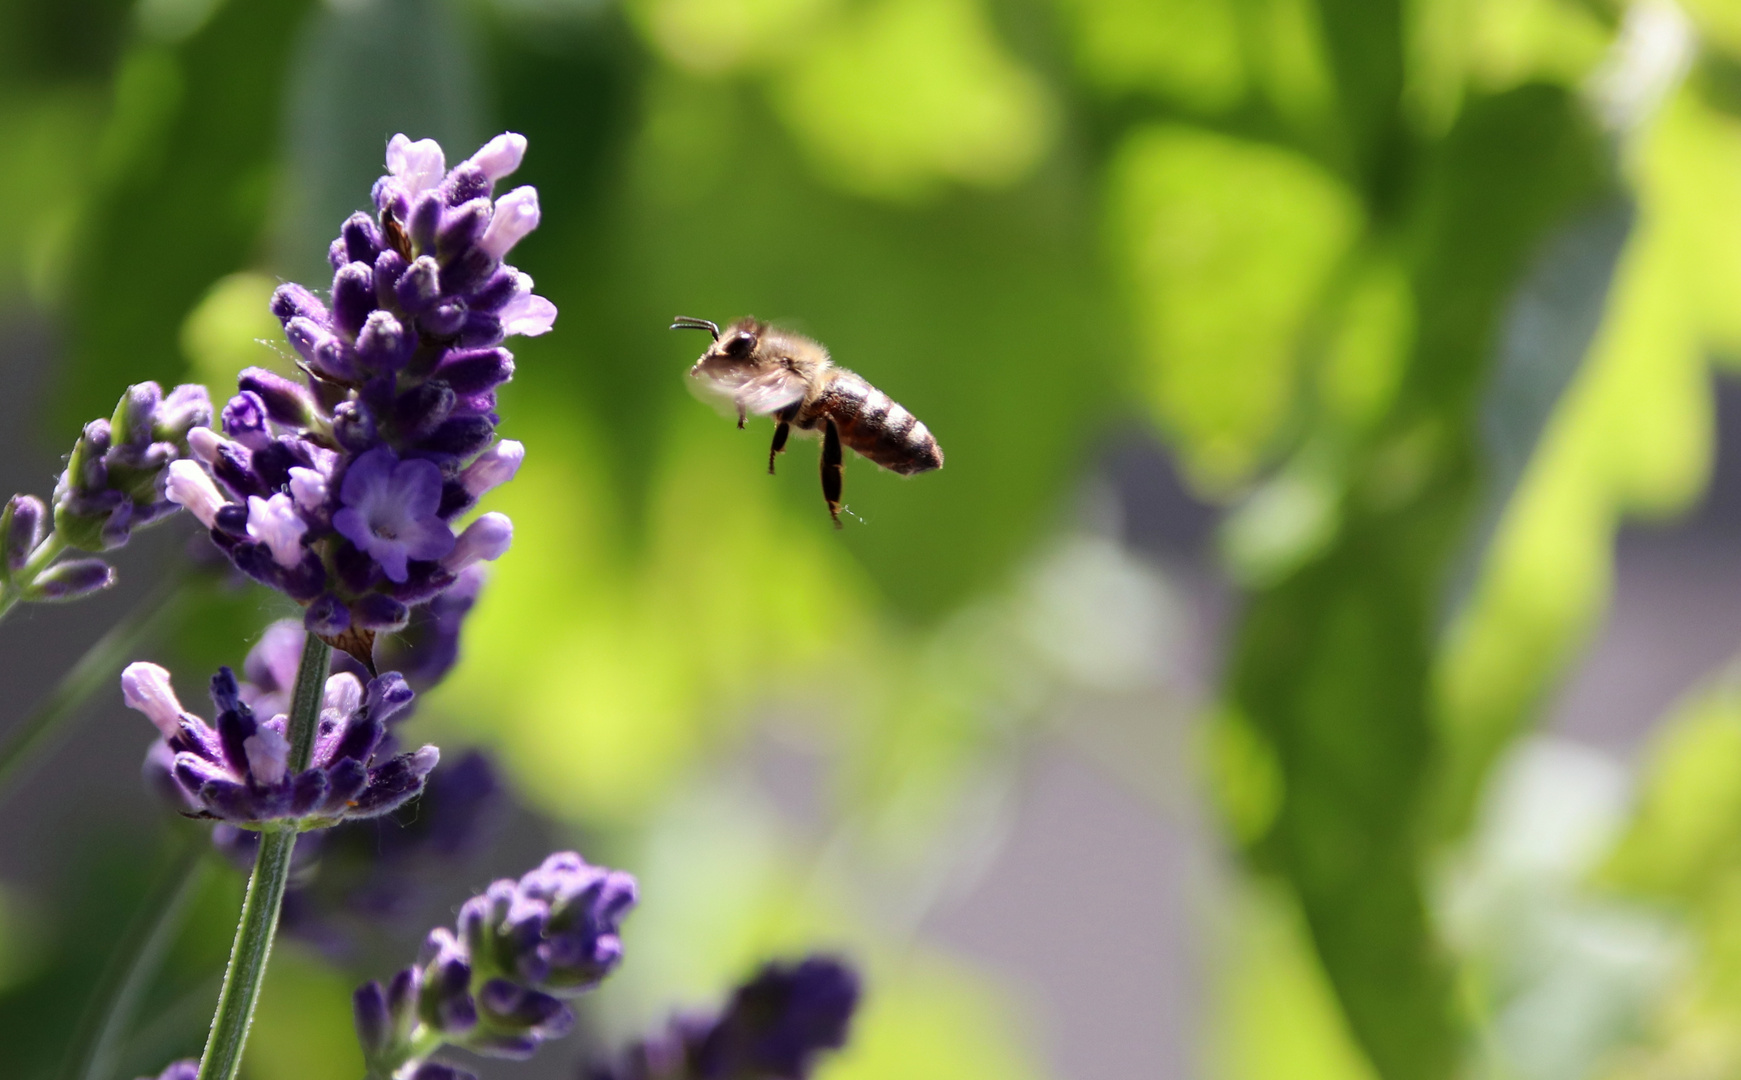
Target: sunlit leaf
pixel 1187 50
pixel 1227 246
pixel 904 95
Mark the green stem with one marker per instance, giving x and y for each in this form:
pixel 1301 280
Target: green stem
pixel 136 961
pixel 259 923
pixel 45 553
pixel 305 700
pixel 93 671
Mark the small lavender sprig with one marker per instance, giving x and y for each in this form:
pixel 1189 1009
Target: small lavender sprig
pixel 116 480
pixel 497 986
pixel 343 492
pixel 776 1027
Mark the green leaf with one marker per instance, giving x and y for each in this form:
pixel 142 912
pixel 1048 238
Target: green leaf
pixel 1332 665
pixel 1227 246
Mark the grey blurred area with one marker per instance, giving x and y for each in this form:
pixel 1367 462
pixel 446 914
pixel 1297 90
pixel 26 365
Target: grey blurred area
pixel 1675 615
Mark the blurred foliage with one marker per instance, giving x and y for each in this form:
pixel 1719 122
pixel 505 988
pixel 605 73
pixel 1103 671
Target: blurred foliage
pixel 1425 296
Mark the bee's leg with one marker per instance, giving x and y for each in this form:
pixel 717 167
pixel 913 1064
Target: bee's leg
pixel 740 417
pixel 780 434
pixel 832 469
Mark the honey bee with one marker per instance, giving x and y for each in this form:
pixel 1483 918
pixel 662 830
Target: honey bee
pixel 763 370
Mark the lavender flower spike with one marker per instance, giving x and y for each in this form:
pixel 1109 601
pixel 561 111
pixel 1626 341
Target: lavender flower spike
pixel 496 984
pixel 777 1026
pixel 237 769
pixel 344 491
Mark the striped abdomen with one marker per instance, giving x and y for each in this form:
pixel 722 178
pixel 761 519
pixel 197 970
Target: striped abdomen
pixel 874 425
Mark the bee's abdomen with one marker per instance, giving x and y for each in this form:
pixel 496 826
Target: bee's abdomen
pixel 878 427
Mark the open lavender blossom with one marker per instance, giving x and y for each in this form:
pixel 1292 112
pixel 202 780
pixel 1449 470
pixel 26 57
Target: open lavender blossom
pixel 186 1069
pixel 344 491
pixel 776 1027
pixel 497 984
pixel 237 770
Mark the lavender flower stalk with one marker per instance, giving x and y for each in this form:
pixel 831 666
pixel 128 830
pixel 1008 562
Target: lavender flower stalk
pixel 116 480
pixel 344 491
pixel 776 1027
pixel 497 985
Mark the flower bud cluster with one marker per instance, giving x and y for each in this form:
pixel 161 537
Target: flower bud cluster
pixel 776 1027
pixel 115 481
pixel 343 490
pixel 237 770
pixel 497 985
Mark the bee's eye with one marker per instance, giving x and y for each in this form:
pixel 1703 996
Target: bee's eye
pixel 740 344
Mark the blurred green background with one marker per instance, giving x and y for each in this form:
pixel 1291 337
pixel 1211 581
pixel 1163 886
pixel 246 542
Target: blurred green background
pixel 1298 363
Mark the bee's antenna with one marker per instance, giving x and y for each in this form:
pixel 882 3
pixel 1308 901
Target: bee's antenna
pixel 684 322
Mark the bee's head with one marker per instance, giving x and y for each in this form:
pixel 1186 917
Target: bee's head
pixel 732 347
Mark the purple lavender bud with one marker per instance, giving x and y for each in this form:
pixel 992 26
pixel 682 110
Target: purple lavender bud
pixel 336 254
pixel 275 523
pixel 354 427
pixel 500 156
pixel 136 414
pixel 390 266
pixel 146 688
pixel 70 580
pixel 285 401
pixel 381 613
pixel 500 287
pixel 394 783
pixel 416 166
pixel 446 1003
pixel 230 522
pixel 444 320
pixel 516 215
pixel 327 616
pixel 419 287
pixel 384 343
pixel 292 301
pixel 425 221
pixel 465 183
pixel 233 466
pixel 23 525
pixel 461 227
pixel 374 1022
pixel 245 420
pixel 471 371
pixel 362 238
pixel 188 406
pixel 353 298
pixel 481 330
pixel 187 1069
pixel 494 467
pixel 484 540
pixel 389 511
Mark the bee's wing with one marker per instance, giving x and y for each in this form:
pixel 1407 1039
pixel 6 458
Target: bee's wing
pixel 760 394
